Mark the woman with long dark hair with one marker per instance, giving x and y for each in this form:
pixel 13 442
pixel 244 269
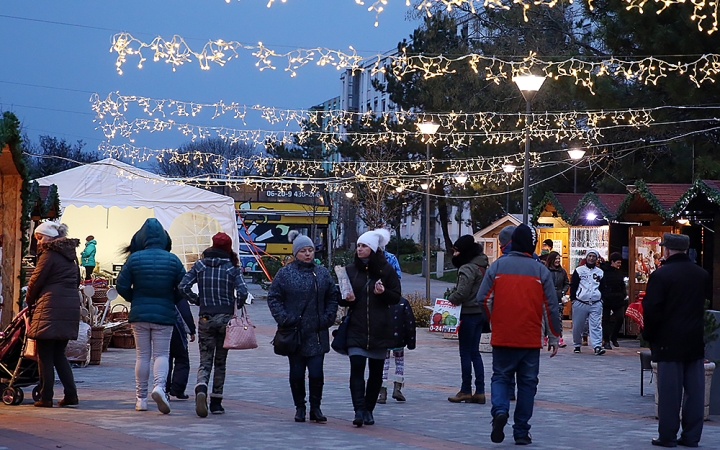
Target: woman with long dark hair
pixel 148 280
pixel 52 296
pixel 370 333
pixel 562 284
pixel 304 294
pixel 471 263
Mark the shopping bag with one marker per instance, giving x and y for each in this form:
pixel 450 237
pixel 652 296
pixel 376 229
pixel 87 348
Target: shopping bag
pixel 240 332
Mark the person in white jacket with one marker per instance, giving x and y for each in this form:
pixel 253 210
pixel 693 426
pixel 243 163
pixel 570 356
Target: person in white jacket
pixel 587 302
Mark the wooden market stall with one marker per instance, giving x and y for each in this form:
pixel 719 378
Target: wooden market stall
pixel 488 236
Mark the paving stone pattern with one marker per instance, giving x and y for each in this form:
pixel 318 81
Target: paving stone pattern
pixel 583 402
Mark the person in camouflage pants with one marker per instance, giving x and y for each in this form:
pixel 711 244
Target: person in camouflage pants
pixel 221 287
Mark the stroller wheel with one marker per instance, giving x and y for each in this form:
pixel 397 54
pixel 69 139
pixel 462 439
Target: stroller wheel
pixel 19 396
pixel 36 393
pixel 8 396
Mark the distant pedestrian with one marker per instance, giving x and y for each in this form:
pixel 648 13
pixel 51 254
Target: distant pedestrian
pixel 505 239
pixel 545 249
pixel 520 300
pixel 52 296
pixel 561 282
pixel 149 280
pixel 375 287
pixel 303 294
pixel 612 288
pixel 673 313
pixel 404 332
pixel 87 257
pixel 221 289
pixel 179 363
pixel 396 353
pixel 587 302
pixel 471 263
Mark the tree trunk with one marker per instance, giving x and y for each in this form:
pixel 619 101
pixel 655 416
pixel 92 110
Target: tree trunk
pixel 443 216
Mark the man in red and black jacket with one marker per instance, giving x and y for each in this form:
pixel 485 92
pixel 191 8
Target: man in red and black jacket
pixel 519 299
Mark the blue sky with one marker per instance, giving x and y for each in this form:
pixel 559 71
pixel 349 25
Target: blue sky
pixel 53 61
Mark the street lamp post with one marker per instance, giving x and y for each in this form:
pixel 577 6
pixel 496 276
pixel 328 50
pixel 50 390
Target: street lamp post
pixel 528 85
pixel 428 129
pixel 576 155
pixel 508 169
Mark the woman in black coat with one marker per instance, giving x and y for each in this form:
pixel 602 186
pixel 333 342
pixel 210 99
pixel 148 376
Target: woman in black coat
pixel 53 298
pixel 370 332
pixel 305 295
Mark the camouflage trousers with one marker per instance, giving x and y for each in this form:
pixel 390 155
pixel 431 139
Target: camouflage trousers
pixel 211 335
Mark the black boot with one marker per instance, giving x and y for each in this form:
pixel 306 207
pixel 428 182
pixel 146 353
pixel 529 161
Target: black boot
pixel 316 389
pixel 357 392
pixel 201 408
pixel 297 387
pixel 216 406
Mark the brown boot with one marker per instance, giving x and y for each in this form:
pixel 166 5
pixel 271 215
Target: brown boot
pixel 397 394
pixel 382 398
pixel 44 403
pixel 478 397
pixel 461 397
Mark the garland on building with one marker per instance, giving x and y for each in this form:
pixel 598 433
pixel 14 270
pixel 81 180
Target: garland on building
pixel 587 199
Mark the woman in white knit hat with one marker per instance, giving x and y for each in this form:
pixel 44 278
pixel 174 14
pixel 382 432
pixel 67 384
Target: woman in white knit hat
pixel 370 329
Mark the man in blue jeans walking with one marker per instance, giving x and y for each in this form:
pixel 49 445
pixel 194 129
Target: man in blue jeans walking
pixel 519 299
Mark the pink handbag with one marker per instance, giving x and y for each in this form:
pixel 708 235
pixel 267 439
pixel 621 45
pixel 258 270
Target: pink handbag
pixel 240 333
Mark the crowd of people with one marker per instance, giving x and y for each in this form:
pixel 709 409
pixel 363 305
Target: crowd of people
pixel 520 297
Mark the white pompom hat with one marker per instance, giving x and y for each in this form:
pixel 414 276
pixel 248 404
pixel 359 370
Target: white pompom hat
pixel 375 239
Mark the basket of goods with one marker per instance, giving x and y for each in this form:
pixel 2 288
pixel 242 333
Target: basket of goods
pixel 118 313
pixel 101 288
pixel 96 344
pixel 123 337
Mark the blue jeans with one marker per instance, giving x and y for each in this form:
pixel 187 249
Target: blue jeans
pixel 507 363
pixel 471 326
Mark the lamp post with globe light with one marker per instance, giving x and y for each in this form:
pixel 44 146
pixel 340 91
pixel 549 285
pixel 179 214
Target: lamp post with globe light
pixel 576 155
pixel 529 85
pixel 428 129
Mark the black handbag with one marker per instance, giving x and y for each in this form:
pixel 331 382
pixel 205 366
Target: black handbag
pixel 287 340
pixel 339 343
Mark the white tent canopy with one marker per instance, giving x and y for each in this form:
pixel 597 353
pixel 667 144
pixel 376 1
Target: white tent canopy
pixel 110 200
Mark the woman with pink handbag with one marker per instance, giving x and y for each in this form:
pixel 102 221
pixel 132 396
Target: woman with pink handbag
pixel 221 286
pixel 304 296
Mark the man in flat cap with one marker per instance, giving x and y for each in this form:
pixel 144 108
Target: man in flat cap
pixel 673 312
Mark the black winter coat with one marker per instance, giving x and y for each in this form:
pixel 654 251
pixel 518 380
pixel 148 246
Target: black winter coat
pixel 674 310
pixel 296 285
pixel 560 280
pixel 403 325
pixel 612 286
pixel 53 291
pixel 371 319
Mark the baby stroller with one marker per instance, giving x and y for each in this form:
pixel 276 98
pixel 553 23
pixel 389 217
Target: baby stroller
pixel 16 369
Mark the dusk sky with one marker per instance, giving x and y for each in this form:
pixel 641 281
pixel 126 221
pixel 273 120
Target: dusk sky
pixel 56 54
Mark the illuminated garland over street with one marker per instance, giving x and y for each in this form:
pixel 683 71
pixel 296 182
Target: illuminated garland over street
pixel 703 10
pixel 648 70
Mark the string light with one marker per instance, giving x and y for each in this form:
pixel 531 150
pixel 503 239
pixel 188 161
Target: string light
pixel 702 10
pixel 648 70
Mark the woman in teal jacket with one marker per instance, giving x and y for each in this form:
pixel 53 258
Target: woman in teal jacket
pixel 149 280
pixel 87 257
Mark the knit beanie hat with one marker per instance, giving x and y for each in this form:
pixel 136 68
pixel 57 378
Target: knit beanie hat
pixel 466 244
pixel 222 242
pixel 522 239
pixel 593 250
pixel 506 235
pixel 52 229
pixel 299 241
pixel 375 239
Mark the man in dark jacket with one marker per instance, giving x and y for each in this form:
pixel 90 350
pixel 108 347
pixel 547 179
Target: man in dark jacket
pixel 673 312
pixel 612 289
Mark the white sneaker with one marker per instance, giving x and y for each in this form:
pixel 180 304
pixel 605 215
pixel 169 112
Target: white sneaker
pixel 158 394
pixel 141 404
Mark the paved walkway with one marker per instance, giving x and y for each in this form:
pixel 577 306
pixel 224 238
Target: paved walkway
pixel 583 402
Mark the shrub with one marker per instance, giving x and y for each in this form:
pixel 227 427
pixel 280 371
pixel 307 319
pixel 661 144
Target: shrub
pixel 404 247
pixel 417 303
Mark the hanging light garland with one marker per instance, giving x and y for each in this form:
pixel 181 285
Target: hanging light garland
pixel 703 10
